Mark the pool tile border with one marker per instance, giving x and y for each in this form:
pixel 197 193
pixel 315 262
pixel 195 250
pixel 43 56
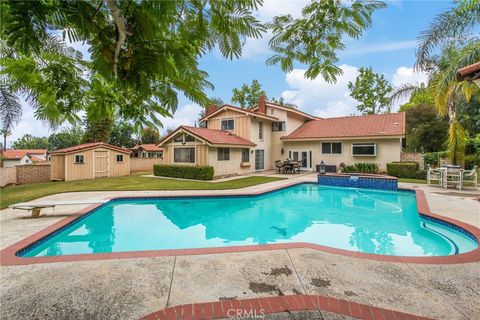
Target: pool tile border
pixel 8 256
pixel 257 307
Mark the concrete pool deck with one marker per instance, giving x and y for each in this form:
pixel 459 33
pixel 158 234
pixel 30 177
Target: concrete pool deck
pixel 131 288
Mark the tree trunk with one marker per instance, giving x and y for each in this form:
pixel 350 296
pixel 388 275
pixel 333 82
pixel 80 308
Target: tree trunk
pixel 122 33
pixel 4 141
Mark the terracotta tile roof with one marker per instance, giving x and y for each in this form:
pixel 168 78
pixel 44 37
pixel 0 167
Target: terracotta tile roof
pixel 150 147
pixel 13 154
pixel 37 159
pixel 470 72
pixel 250 112
pixel 390 124
pixel 215 137
pixel 90 145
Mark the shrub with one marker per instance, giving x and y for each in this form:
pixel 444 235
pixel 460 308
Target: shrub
pixel 186 172
pixel 472 160
pixel 406 170
pixel 363 167
pixel 402 169
pixel 433 158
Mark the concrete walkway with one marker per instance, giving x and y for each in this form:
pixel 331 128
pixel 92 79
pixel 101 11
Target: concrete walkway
pixel 131 288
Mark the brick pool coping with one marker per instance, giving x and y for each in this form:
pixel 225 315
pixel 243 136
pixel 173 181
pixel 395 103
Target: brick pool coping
pixel 8 255
pixel 257 307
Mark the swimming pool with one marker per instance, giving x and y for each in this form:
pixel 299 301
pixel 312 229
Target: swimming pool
pixel 368 221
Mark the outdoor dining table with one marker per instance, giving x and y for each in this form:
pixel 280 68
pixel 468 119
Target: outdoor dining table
pixel 288 165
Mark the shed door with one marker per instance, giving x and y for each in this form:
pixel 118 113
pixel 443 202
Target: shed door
pixel 101 163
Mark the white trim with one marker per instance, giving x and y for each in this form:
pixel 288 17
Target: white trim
pixel 331 153
pixel 309 166
pixel 365 144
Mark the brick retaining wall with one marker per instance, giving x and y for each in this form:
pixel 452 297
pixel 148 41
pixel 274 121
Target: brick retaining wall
pixel 412 157
pixel 8 176
pixel 143 164
pixel 33 173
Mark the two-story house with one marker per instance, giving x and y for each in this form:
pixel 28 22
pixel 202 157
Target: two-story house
pixel 237 141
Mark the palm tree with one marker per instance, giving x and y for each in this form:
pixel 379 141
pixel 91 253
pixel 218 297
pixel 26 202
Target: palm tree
pixel 10 112
pixel 454 32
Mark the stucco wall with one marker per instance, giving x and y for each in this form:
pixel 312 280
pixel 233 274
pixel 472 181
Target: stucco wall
pixel 388 150
pixel 232 166
pixel 291 124
pixel 262 144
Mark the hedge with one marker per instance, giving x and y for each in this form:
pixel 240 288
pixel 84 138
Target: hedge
pixel 405 170
pixel 472 160
pixel 186 172
pixel 363 167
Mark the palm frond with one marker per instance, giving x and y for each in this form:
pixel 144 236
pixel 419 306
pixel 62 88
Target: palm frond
pixel 456 25
pixel 10 108
pixel 403 91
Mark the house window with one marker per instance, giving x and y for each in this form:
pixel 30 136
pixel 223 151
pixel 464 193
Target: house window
pixel 228 124
pixel 223 154
pixel 184 155
pixel 246 155
pixel 260 130
pixel 182 137
pixel 364 149
pixel 79 159
pixel 272 111
pixel 331 148
pixel 119 157
pixel 278 126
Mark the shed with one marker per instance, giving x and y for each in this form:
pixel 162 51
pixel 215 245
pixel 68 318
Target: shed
pixel 89 161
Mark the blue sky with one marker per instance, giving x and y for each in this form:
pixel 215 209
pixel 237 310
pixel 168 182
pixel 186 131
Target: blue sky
pixel 388 46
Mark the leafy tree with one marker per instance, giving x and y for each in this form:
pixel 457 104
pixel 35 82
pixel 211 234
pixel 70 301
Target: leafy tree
pixel 65 138
pixel 98 130
pixel 420 96
pixel 280 101
pixel 315 38
pixel 426 130
pixel 247 95
pixel 150 135
pixel 28 141
pixel 146 50
pixel 456 32
pixel 372 90
pixel 10 112
pixel 216 101
pixel 122 135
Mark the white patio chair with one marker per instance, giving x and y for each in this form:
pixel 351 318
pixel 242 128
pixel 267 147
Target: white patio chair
pixel 452 176
pixel 470 176
pixel 434 175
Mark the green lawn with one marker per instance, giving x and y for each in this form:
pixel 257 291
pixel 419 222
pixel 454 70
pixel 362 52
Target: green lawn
pixel 412 180
pixel 21 193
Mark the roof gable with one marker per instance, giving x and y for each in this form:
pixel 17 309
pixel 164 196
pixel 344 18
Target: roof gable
pixel 210 136
pixel 239 110
pixel 289 109
pixel 88 146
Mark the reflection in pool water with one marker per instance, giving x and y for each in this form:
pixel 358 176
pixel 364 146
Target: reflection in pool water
pixel 381 222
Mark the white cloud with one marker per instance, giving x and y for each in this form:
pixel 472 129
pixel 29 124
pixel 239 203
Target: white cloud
pixel 405 75
pixel 319 97
pixel 408 75
pixel 186 115
pixel 369 48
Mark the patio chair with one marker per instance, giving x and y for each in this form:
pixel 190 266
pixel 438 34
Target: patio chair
pixel 452 176
pixel 470 176
pixel 278 166
pixel 434 175
pixel 296 167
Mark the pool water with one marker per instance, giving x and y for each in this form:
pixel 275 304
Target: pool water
pixel 380 222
